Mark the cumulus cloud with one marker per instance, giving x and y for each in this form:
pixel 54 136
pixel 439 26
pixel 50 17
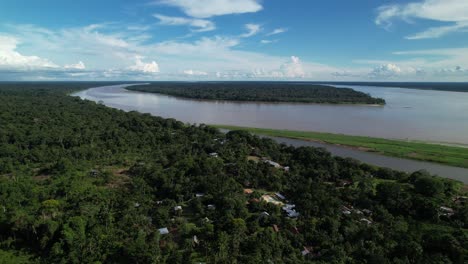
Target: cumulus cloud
pixel 141 66
pixel 293 68
pixel 79 66
pixel 385 71
pixel 277 31
pixel 210 8
pixel 195 73
pixel 447 11
pixel 11 58
pixel 197 25
pixel 252 29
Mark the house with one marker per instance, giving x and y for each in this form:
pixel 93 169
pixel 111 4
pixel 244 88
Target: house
pixel 248 191
pixel 346 212
pixel 269 199
pixel 307 251
pixel 365 220
pixel 290 211
pixel 195 240
pixel 279 195
pixel 446 211
pixel 163 231
pixel 272 163
pixel 264 214
pixel 276 228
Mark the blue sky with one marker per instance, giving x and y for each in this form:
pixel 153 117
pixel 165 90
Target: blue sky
pixel 414 40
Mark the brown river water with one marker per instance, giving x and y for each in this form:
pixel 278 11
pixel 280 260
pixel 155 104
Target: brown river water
pixel 436 116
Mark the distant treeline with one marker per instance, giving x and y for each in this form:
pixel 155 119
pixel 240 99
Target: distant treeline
pixel 261 91
pixel 440 86
pixel 84 183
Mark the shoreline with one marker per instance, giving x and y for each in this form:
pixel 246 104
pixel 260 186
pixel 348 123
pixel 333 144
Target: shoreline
pixel 432 152
pixel 253 101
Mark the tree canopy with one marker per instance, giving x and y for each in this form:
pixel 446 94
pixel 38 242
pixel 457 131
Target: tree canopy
pixel 260 92
pixel 84 183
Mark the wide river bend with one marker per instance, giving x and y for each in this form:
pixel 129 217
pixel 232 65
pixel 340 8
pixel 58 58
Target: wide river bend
pixel 409 114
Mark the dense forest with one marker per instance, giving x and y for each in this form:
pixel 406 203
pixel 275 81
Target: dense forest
pixel 84 183
pixel 260 92
pixel 439 86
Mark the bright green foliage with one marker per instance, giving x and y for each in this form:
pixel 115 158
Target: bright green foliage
pixel 90 184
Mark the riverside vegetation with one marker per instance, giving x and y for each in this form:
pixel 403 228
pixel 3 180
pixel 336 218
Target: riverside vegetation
pixel 260 92
pixel 449 155
pixel 84 183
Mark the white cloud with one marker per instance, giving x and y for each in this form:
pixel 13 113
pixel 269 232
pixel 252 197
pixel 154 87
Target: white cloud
pixel 385 71
pixel 267 41
pixel 252 29
pixel 447 11
pixel 195 73
pixel 11 58
pixel 210 8
pixel 437 32
pixel 293 69
pixel 79 66
pixel 277 31
pixel 140 66
pixel 197 25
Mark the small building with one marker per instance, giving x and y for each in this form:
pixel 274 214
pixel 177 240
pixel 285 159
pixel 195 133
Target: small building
pixel 272 163
pixel 269 199
pixel 178 208
pixel 276 228
pixel 279 195
pixel 195 240
pixel 306 251
pixel 264 214
pixel 198 195
pixel 365 220
pixel 286 169
pixel 248 191
pixel 346 212
pixel 446 211
pixel 214 155
pixel 211 207
pixel 136 205
pixel 163 231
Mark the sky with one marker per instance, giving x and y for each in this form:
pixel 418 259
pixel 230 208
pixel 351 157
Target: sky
pixel 191 40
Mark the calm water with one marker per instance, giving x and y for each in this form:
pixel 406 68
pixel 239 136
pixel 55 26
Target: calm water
pixel 409 114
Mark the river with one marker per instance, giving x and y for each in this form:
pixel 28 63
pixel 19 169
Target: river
pixel 409 114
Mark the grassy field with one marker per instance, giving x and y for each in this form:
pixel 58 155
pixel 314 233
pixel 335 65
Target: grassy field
pixel 449 155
